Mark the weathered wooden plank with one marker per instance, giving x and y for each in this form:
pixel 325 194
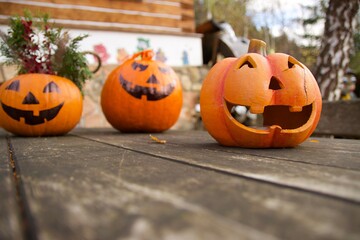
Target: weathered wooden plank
pixel 79 188
pixel 302 168
pixel 317 151
pixel 9 215
pixel 74 196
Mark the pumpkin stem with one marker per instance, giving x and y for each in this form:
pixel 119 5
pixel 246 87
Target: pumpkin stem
pixel 257 46
pixel 146 54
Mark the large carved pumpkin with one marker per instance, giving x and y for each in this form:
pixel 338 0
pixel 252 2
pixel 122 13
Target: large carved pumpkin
pixel 39 105
pixel 277 87
pixel 142 95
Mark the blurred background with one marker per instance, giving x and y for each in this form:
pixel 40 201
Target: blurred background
pixel 192 35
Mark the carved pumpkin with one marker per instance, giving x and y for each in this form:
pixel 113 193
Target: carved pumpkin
pixel 277 86
pixel 39 105
pixel 142 95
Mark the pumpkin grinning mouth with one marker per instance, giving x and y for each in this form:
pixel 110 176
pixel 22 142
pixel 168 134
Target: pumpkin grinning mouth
pixel 29 116
pixel 151 93
pixel 283 116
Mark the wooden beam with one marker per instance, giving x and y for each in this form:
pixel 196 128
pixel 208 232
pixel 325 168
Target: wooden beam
pixel 71 14
pixel 188 26
pixel 116 4
pixel 110 14
pixel 187 13
pixel 125 28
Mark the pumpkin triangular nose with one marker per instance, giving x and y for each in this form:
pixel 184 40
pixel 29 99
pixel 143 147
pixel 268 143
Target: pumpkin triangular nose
pixel 152 79
pixel 30 99
pixel 275 84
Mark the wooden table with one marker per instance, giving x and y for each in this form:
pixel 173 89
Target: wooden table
pixel 102 184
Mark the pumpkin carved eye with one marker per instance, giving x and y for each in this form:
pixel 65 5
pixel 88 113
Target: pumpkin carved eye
pixel 291 65
pixel 14 86
pixel 249 62
pixel 51 87
pixel 292 62
pixel 139 66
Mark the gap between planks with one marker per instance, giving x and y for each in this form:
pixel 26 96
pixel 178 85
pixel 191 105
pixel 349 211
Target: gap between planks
pixel 27 222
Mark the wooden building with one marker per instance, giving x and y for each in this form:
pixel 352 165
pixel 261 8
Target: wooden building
pixel 118 28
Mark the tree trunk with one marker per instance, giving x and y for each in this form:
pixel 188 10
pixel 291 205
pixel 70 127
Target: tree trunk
pixel 336 46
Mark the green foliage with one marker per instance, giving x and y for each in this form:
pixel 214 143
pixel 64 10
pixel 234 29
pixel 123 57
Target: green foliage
pixel 354 64
pixel 73 65
pixel 36 46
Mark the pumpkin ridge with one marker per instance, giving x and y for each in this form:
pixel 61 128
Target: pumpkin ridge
pixel 222 86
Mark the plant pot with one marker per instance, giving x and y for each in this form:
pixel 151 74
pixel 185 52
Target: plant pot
pixel 39 105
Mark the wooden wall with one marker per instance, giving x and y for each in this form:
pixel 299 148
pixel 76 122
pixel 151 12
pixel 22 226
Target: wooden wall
pixel 153 16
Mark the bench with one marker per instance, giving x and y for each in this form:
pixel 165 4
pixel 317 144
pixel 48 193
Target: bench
pixel 340 119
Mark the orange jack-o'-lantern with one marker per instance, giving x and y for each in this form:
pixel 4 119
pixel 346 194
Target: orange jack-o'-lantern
pixel 39 105
pixel 142 95
pixel 277 87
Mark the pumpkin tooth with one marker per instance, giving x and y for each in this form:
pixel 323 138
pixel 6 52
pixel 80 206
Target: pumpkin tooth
pixel 275 129
pixel 36 113
pixel 257 109
pixel 295 109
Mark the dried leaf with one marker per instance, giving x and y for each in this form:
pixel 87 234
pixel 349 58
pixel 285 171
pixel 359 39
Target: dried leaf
pixel 157 139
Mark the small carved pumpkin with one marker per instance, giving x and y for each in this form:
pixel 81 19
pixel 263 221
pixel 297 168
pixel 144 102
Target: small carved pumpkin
pixel 277 86
pixel 142 95
pixel 39 105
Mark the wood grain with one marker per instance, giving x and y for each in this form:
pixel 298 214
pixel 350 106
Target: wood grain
pixel 122 5
pixel 82 15
pixel 102 184
pixel 110 14
pixel 302 167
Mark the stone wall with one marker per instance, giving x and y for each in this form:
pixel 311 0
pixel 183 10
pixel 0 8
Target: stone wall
pixel 190 77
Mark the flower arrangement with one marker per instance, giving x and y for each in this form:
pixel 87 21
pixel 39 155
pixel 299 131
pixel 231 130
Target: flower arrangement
pixel 34 45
